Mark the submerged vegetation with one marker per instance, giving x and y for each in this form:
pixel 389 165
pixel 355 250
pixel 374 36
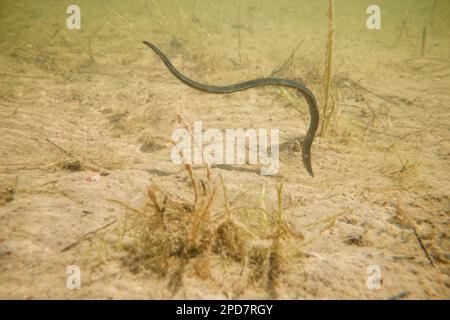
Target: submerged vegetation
pixel 171 233
pixel 85 171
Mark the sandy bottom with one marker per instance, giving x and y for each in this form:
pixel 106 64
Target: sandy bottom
pixel 380 196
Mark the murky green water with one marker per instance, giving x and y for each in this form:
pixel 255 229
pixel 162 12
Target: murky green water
pixel 260 28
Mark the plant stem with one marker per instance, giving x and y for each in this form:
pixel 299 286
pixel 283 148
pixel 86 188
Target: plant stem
pixel 328 64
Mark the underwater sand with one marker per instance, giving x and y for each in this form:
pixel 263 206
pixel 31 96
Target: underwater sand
pixel 110 104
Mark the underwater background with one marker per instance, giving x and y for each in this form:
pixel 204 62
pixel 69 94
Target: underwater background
pixel 86 178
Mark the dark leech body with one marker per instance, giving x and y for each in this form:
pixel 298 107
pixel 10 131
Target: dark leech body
pixel 306 93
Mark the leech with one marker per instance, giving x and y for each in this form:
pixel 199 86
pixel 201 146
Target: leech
pixel 307 94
